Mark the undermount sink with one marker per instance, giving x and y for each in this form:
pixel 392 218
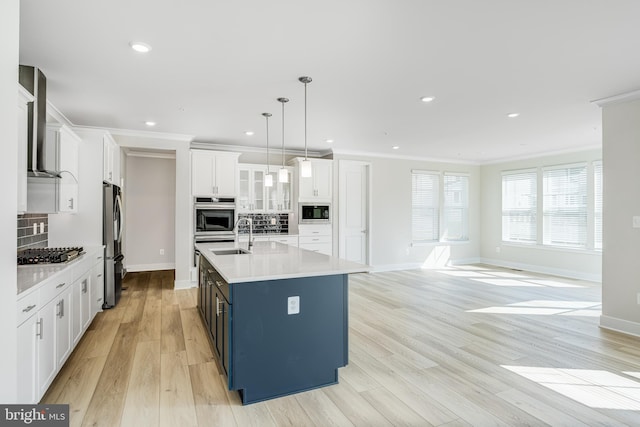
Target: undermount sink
pixel 237 251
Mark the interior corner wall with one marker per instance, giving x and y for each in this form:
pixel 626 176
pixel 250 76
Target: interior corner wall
pixel 543 259
pixel 9 47
pixel 149 205
pixel 621 252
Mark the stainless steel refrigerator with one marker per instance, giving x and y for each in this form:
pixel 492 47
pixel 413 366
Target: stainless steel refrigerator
pixel 112 226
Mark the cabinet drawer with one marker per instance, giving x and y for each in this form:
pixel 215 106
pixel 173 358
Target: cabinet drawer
pixel 287 240
pixel 314 230
pixel 81 266
pixel 54 286
pixel 220 284
pixel 27 307
pixel 315 239
pixel 323 248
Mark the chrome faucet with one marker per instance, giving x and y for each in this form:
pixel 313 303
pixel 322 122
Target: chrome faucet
pixel 250 222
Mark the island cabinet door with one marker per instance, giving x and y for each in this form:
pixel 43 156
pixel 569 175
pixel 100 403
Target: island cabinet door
pixel 222 335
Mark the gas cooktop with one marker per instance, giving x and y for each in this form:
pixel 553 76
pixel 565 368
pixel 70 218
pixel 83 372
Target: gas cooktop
pixel 48 255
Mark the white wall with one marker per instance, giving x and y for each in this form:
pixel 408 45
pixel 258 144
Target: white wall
pixel 9 31
pixel 621 266
pixel 391 215
pixel 150 202
pixel 571 263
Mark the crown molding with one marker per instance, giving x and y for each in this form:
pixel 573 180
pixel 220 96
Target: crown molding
pixel 131 152
pixel 618 99
pixel 57 115
pixel 252 149
pixel 404 157
pixel 544 154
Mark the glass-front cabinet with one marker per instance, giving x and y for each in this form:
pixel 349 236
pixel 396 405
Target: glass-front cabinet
pixel 253 196
pixel 251 189
pixel 279 195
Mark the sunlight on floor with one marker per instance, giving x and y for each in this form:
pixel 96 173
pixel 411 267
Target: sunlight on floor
pixel 502 278
pixel 546 308
pixel 593 388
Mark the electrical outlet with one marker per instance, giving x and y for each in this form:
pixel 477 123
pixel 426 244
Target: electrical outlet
pixel 35 228
pixel 638 298
pixel 273 220
pixel 161 251
pixel 41 227
pixel 293 305
pixel 497 249
pixel 635 222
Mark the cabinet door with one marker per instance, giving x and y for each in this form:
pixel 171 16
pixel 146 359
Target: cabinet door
pixel 202 173
pixel 27 361
pixel 46 343
pixel 307 187
pixel 258 190
pixel 322 179
pixel 243 201
pixel 68 145
pixel 107 159
pixel 63 325
pixel 97 289
pixel 76 312
pixel 225 175
pixel 22 152
pixel 85 300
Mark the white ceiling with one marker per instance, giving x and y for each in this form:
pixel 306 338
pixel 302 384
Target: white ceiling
pixel 216 66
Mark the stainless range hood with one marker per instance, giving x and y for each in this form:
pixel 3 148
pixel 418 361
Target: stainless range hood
pixel 42 158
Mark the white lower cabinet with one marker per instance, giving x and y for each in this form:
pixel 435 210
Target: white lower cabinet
pixel 51 320
pixel 316 238
pixel 97 288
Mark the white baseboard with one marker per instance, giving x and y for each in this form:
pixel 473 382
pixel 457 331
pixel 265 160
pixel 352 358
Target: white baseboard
pixel 184 284
pixel 620 325
pixel 572 274
pixel 150 267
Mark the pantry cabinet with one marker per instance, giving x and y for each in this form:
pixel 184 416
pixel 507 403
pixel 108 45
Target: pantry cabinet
pixel 213 173
pixel 111 160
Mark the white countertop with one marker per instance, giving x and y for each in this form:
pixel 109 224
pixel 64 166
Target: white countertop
pixel 31 275
pixel 274 261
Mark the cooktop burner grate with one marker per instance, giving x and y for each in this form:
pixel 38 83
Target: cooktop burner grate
pixel 48 255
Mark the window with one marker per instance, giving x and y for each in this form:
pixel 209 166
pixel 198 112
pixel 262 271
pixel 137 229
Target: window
pixel 456 207
pixel 565 206
pixel 519 206
pixel 425 206
pixel 597 185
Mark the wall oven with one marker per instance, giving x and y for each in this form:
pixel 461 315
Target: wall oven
pixel 214 219
pixel 315 214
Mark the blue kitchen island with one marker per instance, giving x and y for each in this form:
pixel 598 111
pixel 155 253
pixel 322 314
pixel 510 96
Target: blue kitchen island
pixel 277 317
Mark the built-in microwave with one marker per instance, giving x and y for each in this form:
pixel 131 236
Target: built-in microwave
pixel 315 214
pixel 214 219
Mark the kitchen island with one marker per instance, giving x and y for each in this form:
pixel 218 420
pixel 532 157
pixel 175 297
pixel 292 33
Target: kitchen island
pixel 277 317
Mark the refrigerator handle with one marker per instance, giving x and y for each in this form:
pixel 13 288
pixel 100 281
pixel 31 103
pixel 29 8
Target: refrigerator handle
pixel 120 218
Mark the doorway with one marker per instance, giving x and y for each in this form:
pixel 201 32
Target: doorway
pixel 354 218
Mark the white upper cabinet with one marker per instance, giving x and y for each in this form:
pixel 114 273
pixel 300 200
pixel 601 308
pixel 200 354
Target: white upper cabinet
pixel 251 189
pixel 213 173
pixel 279 195
pixel 111 160
pixel 318 187
pixel 24 97
pixel 68 147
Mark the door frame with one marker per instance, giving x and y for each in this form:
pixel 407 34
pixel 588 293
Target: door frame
pixel 342 205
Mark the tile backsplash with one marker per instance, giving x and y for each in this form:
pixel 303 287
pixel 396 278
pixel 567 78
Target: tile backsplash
pixel 263 223
pixel 28 237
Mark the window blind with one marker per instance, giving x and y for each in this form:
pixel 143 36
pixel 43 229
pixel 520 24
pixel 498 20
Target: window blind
pixel 565 206
pixel 424 206
pixel 519 206
pixel 456 207
pixel 597 185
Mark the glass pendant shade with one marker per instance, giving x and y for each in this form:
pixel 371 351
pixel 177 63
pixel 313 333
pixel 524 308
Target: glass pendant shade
pixel 268 180
pixel 305 168
pixel 283 175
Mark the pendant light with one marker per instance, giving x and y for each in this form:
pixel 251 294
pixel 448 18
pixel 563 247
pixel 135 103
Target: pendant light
pixel 283 174
pixel 268 179
pixel 305 165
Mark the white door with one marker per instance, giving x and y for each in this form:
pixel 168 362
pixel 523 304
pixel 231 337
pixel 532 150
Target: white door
pixel 354 211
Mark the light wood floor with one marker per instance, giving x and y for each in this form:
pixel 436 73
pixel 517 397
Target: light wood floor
pixel 418 356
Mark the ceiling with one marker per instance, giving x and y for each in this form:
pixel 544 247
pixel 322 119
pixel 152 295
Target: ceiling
pixel 216 66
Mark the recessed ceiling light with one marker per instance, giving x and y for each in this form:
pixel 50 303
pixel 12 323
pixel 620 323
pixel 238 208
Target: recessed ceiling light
pixel 513 115
pixel 427 98
pixel 329 141
pixel 395 147
pixel 140 47
pixel 249 133
pixel 150 123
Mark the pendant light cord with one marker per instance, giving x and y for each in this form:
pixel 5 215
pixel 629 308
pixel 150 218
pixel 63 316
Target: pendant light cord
pixel 305 121
pixel 268 170
pixel 283 134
